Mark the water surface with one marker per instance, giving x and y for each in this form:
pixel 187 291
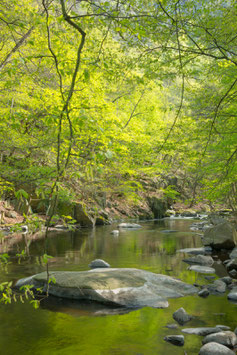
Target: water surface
pixel 64 327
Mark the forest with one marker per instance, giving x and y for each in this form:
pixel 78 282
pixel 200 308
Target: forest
pixel 114 112
pixel 97 96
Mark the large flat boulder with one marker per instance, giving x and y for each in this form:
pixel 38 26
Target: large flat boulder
pixel 219 236
pixel 123 287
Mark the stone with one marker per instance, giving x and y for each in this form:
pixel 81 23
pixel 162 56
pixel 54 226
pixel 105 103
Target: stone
pixel 235 331
pixel 233 273
pixel 210 277
pixel 204 293
pixel 175 339
pixel 98 263
pixel 215 349
pixel 158 206
pixel 232 265
pixel 200 259
pixel 192 214
pixel 181 316
pixel 218 286
pixel 202 269
pixel 82 216
pixel 203 331
pixel 129 225
pixel 226 279
pixel 233 254
pixel 132 288
pixel 226 338
pixel 223 327
pixel 115 232
pixel 11 214
pixel 232 296
pixel 195 251
pixel 215 219
pixel 220 236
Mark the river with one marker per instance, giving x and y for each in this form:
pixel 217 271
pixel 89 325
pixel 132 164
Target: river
pixel 66 328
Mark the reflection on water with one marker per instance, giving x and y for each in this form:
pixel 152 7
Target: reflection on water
pixel 70 327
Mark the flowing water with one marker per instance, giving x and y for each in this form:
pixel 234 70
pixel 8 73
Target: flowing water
pixel 65 328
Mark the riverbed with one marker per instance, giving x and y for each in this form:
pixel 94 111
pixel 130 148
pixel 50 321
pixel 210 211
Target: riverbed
pixel 65 328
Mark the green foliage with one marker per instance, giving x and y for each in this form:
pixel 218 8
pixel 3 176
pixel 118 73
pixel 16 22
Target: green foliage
pixel 170 192
pixel 140 102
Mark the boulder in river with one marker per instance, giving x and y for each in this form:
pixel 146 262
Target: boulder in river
pixel 98 263
pixel 220 236
pixel 202 331
pixel 181 316
pixel 204 293
pixel 232 296
pixel 175 339
pixel 200 259
pixel 226 338
pixel 124 287
pixel 202 269
pixel 217 287
pixel 215 349
pixel 82 216
pixel 196 251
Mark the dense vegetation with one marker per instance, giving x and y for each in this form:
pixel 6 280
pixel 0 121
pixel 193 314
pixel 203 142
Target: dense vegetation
pixel 96 95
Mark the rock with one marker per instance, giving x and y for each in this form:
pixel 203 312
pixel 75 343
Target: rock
pixel 215 219
pixel 215 349
pixel 204 293
pixel 223 327
pixel 210 277
pixel 189 214
pixel 175 339
pixel 60 227
pixel 232 296
pixel 218 286
pixel 235 331
pixel 226 338
pixel 233 273
pixel 198 226
pixel 115 232
pixel 82 216
pixel 202 269
pixel 196 251
pixel 129 225
pixel 220 236
pixel 232 265
pixel 201 331
pixel 169 213
pixel 123 287
pixel 200 259
pixel 101 221
pixel 181 316
pixel 158 206
pixel 172 326
pixel 233 254
pixel 98 263
pixel 11 214
pixel 226 279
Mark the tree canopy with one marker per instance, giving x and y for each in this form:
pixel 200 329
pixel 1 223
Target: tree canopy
pixel 96 94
